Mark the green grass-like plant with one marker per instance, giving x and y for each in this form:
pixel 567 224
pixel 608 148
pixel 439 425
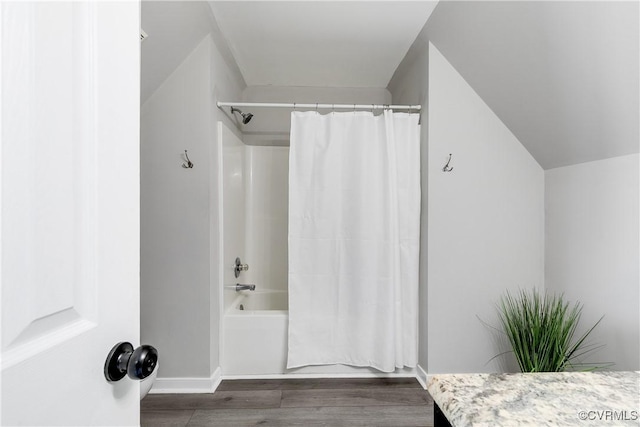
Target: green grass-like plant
pixel 541 331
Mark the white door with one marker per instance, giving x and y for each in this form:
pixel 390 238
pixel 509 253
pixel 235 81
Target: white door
pixel 69 209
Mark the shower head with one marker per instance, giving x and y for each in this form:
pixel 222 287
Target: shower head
pixel 246 117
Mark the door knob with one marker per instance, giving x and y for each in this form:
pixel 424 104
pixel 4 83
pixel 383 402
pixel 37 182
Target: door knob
pixel 124 360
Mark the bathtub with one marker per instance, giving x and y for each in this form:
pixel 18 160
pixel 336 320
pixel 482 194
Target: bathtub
pixel 260 300
pixel 254 342
pixel 254 330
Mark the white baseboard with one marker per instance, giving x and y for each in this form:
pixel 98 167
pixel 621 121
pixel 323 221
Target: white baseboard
pixel 422 377
pixel 187 385
pixel 209 385
pixel 318 375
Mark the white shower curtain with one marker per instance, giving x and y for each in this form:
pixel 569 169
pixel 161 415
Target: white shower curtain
pixel 354 225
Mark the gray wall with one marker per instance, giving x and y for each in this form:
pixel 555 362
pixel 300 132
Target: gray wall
pixel 482 224
pixel 562 75
pixel 485 219
pixel 175 218
pixel 592 256
pixel 486 223
pixel 591 230
pixel 179 287
pixel 179 234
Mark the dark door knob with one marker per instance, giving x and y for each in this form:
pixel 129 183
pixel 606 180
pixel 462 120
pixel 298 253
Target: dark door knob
pixel 124 360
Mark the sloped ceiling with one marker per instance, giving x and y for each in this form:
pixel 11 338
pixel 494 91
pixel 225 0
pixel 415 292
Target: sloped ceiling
pixel 563 76
pixel 320 43
pixel 175 28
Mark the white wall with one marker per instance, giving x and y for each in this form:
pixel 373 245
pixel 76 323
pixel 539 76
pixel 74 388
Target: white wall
pixel 486 222
pixel 592 250
pixel 180 312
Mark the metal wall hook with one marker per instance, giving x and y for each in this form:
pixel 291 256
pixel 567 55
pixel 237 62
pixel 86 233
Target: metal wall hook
pixel 189 164
pixel 446 167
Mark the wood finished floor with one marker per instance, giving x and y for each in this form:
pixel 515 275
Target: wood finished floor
pixel 388 402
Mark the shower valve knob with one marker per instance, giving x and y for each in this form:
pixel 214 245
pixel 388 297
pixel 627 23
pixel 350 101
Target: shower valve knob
pixel 240 267
pixel 123 360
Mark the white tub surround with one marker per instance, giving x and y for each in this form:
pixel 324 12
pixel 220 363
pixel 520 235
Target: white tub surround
pixel 540 399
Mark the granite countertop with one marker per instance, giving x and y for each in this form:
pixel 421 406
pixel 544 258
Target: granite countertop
pixel 539 399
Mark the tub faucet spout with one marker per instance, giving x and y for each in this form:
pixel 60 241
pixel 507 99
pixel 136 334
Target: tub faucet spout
pixel 240 287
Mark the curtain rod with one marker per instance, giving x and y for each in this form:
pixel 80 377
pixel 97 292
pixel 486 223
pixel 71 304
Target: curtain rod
pixel 317 106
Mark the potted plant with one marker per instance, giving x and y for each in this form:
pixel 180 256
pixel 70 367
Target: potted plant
pixel 541 330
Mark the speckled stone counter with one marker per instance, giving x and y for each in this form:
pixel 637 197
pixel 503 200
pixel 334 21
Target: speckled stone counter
pixel 541 399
